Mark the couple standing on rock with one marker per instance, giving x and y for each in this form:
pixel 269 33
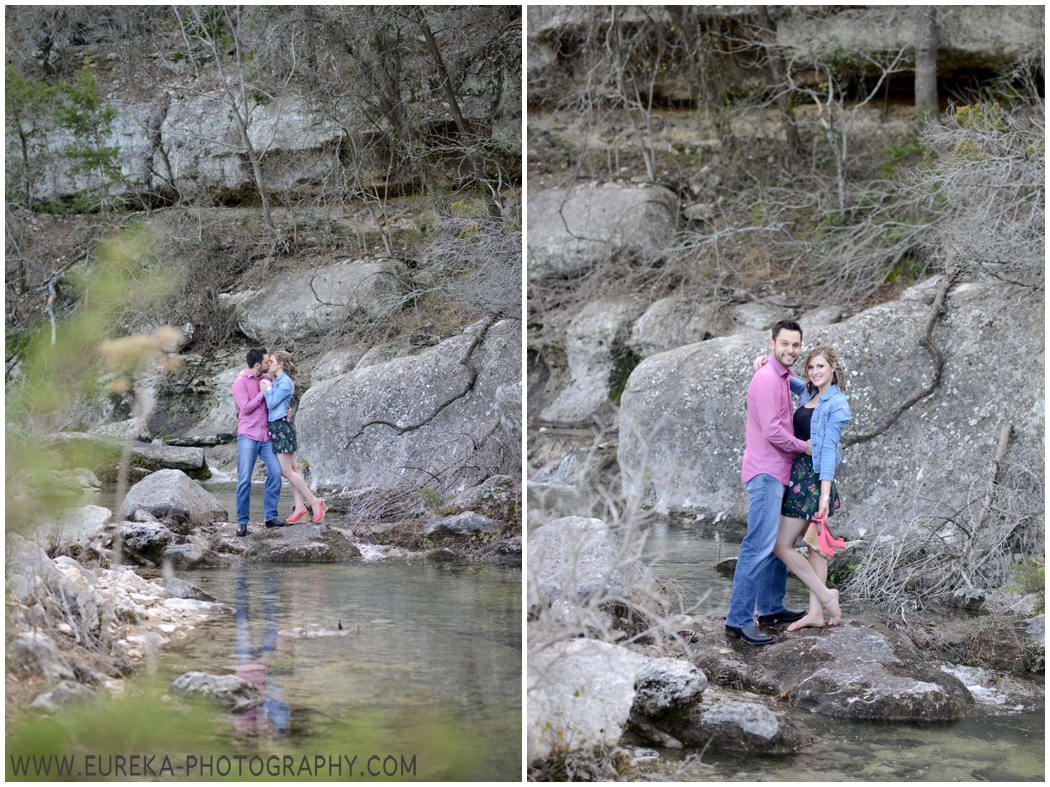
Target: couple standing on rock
pixel 788 470
pixel 265 429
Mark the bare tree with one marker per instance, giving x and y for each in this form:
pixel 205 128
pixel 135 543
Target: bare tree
pixel 217 30
pixel 926 102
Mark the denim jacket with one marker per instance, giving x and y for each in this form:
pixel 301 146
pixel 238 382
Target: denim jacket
pixel 829 416
pixel 278 397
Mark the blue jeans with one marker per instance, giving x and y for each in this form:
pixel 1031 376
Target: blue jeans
pixel 248 451
pixel 761 577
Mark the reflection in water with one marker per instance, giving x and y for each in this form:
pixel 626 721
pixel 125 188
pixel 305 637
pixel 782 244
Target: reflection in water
pixel 272 717
pixel 428 661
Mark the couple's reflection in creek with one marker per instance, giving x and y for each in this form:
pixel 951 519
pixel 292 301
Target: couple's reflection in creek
pixel 255 653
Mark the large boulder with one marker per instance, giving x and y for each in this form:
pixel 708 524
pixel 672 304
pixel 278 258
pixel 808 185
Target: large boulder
pixel 664 685
pixel 201 146
pixel 301 303
pixel 570 230
pixel 682 416
pixel 733 725
pixel 852 671
pixel 594 343
pixel 303 543
pixel 580 561
pixel 74 530
pixel 169 457
pixel 408 391
pixel 676 321
pixel 579 696
pixel 172 493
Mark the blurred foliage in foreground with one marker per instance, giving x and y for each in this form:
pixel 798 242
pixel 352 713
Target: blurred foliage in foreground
pixel 70 362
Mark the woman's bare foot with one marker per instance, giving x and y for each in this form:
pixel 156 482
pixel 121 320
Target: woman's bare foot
pixel 833 609
pixel 811 620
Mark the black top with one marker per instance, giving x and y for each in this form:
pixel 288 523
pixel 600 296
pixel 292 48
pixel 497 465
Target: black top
pixel 802 419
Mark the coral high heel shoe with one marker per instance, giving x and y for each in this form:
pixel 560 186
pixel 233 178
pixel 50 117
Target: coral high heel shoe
pixel 323 510
pixel 828 542
pixel 296 516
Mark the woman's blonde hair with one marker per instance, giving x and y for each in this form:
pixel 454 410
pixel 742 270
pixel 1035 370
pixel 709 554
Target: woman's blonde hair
pixel 826 351
pixel 285 359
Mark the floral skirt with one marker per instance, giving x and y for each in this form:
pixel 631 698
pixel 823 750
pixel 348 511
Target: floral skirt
pixel 282 435
pixel 802 497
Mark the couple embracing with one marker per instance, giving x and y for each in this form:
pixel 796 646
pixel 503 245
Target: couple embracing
pixel 788 470
pixel 263 393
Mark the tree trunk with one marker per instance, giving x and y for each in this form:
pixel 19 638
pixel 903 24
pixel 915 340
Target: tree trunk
pixel 926 102
pixel 495 209
pixel 776 65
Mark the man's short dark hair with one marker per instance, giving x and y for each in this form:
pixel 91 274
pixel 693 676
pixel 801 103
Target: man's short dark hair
pixel 255 355
pixel 786 325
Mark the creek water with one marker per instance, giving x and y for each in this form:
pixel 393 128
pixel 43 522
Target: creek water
pixel 986 746
pixel 427 663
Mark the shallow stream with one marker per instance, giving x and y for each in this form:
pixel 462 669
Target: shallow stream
pixel 984 747
pixel 395 659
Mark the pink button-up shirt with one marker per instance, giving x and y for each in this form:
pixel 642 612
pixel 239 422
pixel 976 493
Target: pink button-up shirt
pixel 770 443
pixel 252 421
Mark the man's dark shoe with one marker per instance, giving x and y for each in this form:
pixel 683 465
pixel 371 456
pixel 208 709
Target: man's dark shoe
pixel 750 634
pixel 785 616
pixel 242 530
pixel 274 523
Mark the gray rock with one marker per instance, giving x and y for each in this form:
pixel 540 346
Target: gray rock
pixel 193 556
pixel 579 696
pixel 665 685
pixel 130 430
pixel 570 230
pixel 27 560
pixel 506 552
pixel 307 543
pixel 180 588
pixel 755 316
pixel 407 391
pixel 236 694
pixel 508 405
pixel 298 143
pixel 820 317
pixel 337 362
pixel 172 493
pixel 729 725
pixel 65 693
pixel 467 523
pixel 677 321
pixel 76 528
pixel 384 353
pixel 682 413
pixel 302 303
pixel 36 654
pixel 595 341
pixel 144 543
pixel 581 561
pixel 849 671
pixel 191 459
pixel 1036 628
pixel 499 497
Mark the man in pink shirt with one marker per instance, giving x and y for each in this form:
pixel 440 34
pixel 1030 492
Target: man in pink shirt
pixel 770 445
pixel 253 441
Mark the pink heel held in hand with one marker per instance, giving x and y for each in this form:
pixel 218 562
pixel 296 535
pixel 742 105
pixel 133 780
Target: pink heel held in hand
pixel 828 542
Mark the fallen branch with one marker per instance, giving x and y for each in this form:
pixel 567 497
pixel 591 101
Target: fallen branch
pixel 926 342
pixel 465 361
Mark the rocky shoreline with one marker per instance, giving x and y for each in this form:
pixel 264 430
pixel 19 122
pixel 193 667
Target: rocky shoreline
pixel 611 666
pixel 86 608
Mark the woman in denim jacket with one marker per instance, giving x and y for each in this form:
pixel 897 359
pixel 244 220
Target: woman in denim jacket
pixel 822 413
